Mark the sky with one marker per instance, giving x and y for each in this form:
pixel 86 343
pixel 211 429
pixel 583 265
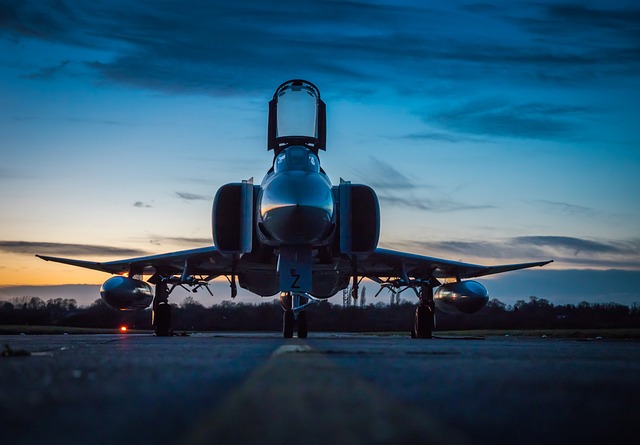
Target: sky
pixel 492 131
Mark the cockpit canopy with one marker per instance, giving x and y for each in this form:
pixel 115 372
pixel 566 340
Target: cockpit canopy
pixel 296 158
pixel 297 116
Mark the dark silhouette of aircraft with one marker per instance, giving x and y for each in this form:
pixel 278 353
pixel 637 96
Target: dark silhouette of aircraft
pixel 295 234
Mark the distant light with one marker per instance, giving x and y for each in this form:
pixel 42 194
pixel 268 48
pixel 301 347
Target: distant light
pixel 123 329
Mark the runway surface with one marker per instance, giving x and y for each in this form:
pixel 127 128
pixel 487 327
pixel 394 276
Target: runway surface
pixel 333 389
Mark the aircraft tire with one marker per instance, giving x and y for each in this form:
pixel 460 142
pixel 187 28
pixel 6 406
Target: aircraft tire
pixel 287 324
pixel 302 324
pixel 162 317
pixel 423 322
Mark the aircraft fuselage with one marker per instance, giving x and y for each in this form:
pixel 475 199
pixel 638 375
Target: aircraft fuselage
pixel 296 205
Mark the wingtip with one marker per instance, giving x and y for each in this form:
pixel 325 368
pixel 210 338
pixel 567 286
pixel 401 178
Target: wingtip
pixel 45 257
pixel 544 263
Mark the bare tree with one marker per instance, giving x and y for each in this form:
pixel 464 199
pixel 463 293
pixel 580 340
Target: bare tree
pixel 363 296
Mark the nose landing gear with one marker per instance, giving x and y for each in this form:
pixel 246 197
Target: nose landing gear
pixel 293 305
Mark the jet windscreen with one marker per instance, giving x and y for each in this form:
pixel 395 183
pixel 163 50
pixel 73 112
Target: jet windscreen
pixel 296 159
pixel 297 111
pixel 297 116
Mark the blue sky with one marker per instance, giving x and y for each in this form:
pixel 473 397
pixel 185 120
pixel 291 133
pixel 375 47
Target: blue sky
pixel 492 131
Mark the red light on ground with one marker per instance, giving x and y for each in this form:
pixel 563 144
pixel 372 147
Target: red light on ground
pixel 123 329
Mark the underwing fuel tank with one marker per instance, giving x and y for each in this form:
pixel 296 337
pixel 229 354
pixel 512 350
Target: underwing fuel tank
pixel 126 293
pixel 464 297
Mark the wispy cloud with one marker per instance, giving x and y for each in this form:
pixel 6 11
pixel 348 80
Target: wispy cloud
pixel 501 118
pixel 580 246
pixel 24 118
pixel 440 136
pixel 75 120
pixel 382 175
pixel 394 188
pixel 564 250
pixel 9 173
pixel 429 205
pixel 142 205
pixel 187 241
pixel 46 72
pixel 180 241
pixel 224 48
pixel 65 249
pixel 93 121
pixel 580 21
pixel 565 207
pixel 191 196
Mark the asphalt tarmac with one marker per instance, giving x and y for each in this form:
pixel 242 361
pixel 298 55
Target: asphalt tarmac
pixel 327 389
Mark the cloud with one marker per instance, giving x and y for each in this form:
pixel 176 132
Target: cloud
pixel 142 205
pixel 24 118
pixel 581 246
pixel 564 250
pixel 566 208
pixel 9 173
pixel 577 20
pixel 93 121
pixel 599 40
pixel 65 249
pixel 226 49
pixel 187 241
pixel 46 72
pixel 382 175
pixel 500 118
pixel 456 249
pixel 54 22
pixel 394 188
pixel 429 205
pixel 440 137
pixel 192 196
pixel 222 48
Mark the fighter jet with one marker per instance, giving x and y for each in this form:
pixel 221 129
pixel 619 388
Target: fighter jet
pixel 296 235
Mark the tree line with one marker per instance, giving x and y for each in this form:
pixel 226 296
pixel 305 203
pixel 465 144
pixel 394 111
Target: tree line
pixel 534 313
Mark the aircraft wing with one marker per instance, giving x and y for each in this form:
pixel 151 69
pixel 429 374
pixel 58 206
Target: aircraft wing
pixel 383 263
pixel 380 264
pixel 201 261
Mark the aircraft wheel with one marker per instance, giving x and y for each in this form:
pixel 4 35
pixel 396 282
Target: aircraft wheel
pixel 423 322
pixel 287 324
pixel 302 324
pixel 162 320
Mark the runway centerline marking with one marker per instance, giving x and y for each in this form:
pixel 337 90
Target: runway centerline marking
pixel 292 349
pixel 300 396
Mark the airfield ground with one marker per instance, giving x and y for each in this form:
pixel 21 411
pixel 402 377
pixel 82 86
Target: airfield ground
pixel 329 388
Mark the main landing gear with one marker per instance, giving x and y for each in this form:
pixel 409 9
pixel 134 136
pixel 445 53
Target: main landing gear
pixel 293 315
pixel 424 320
pixel 161 315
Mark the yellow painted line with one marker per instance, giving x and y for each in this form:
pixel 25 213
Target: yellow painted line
pixel 292 349
pixel 301 397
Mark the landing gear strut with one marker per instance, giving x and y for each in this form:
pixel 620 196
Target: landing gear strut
pixel 287 324
pixel 161 314
pixel 291 317
pixel 424 320
pixel 302 324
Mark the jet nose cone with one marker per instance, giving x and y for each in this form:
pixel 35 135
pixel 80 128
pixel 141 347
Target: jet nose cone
pixel 297 208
